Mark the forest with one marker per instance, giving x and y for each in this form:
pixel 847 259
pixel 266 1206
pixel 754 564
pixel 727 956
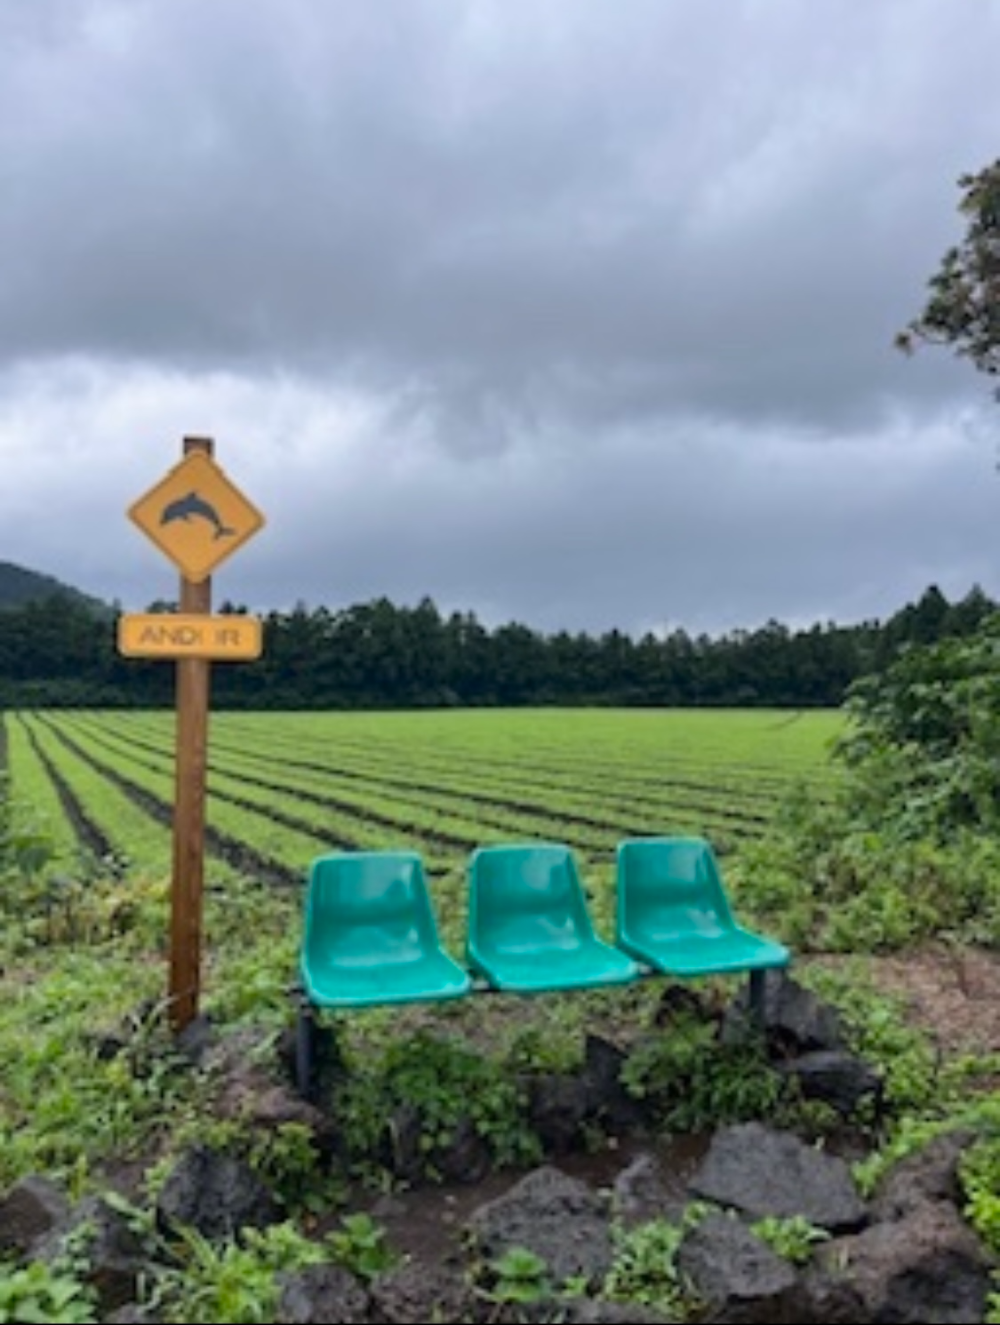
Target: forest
pixel 59 651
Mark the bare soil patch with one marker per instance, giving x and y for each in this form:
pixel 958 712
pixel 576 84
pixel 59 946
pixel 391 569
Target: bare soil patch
pixel 950 991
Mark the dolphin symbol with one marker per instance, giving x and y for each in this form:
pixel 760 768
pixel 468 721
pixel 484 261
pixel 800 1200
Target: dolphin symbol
pixel 191 504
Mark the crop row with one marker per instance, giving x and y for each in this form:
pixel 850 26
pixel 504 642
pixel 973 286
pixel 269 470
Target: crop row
pixel 286 787
pixel 303 794
pixel 581 786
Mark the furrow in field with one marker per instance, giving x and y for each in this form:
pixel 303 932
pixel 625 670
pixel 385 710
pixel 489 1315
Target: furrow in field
pixel 581 769
pixel 49 801
pixel 432 818
pixel 239 843
pixel 582 772
pixel 129 832
pixel 257 836
pixel 575 786
pixel 480 744
pixel 444 783
pixel 277 805
pixel 311 782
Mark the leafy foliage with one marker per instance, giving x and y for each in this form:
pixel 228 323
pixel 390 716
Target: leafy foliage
pixel 963 306
pixel 696 1081
pixel 66 1104
pixel 979 1167
pixel 644 1268
pixel 360 1245
pixel 519 1276
pixel 232 1281
pixel 908 846
pixel 924 740
pixel 444 1085
pixel 794 1237
pixel 980 1175
pixel 875 1029
pixel 40 1292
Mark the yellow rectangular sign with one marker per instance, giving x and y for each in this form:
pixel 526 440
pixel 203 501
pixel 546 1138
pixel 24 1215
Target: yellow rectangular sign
pixel 232 638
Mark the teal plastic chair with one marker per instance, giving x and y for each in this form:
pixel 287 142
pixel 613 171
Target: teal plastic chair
pixel 529 929
pixel 672 912
pixel 370 934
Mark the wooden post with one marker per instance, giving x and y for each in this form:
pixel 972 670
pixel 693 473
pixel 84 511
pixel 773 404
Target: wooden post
pixel 189 806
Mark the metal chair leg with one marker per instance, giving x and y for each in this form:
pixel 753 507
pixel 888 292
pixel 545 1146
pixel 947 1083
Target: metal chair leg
pixel 758 979
pixel 305 1048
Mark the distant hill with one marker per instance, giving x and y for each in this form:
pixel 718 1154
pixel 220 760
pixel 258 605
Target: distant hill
pixel 19 585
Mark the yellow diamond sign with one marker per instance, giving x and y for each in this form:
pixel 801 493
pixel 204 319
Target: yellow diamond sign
pixel 196 516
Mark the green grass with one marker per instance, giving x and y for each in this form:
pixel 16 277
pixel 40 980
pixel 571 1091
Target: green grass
pixel 444 781
pixel 84 968
pixel 290 786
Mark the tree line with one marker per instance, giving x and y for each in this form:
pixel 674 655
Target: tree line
pixel 56 652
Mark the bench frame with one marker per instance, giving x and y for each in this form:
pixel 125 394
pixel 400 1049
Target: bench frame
pixel 555 877
pixel 307 1014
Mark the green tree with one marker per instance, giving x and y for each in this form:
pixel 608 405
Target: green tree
pixel 924 744
pixel 963 303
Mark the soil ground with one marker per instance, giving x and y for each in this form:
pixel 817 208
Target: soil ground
pixel 951 992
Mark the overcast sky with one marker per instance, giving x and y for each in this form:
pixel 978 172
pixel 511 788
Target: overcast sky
pixel 571 312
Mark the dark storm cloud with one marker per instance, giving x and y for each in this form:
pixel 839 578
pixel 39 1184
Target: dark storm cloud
pixel 490 213
pixel 579 314
pixel 652 533
pixel 695 524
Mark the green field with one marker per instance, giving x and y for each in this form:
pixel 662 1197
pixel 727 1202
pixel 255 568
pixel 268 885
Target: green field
pixel 98 788
pixel 284 787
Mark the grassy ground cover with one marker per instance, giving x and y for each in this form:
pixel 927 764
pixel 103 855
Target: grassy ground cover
pixel 78 959
pixel 288 786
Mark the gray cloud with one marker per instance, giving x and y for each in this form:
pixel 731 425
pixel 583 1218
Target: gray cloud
pixel 604 282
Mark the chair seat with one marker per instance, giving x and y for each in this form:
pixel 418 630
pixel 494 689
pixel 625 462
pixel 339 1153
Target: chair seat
pixel 532 972
pixel 691 954
pixel 346 984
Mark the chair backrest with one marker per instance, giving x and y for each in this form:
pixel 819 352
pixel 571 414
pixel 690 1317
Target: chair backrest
pixel 526 897
pixel 670 885
pixel 366 908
